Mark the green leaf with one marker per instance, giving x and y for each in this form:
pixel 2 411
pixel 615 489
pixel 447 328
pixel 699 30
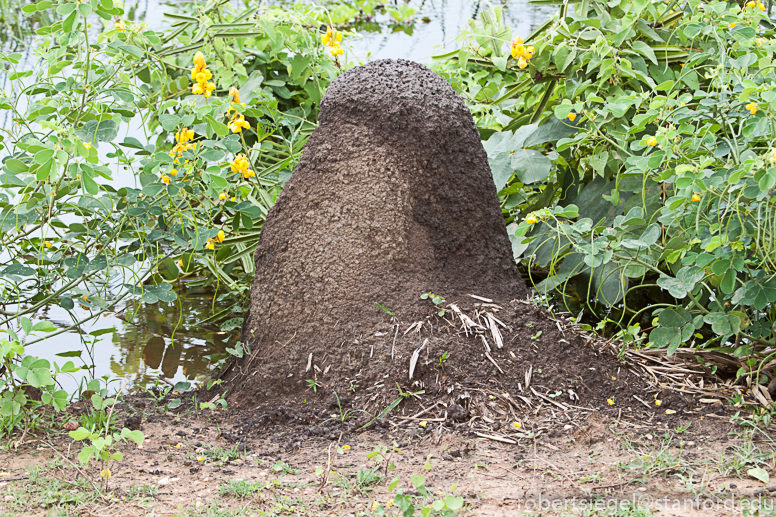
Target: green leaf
pixel 98 131
pixel 45 326
pixel 723 324
pixel 418 480
pixel 79 434
pixel 86 454
pixel 645 50
pixel 169 122
pixel 759 474
pixel 217 127
pixel 168 268
pixel 15 166
pixel 551 131
pixel 530 166
pixel 26 324
pixel 136 436
pixel 219 182
pixel 453 503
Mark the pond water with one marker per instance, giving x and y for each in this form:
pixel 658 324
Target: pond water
pixel 142 342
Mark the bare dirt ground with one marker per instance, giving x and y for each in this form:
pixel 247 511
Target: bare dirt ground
pixel 598 464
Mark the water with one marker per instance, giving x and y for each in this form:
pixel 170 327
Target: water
pixel 141 342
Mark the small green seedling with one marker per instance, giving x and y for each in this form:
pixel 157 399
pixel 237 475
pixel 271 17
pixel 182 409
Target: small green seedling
pixel 438 300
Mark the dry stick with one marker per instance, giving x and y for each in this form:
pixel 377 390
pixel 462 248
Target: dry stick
pixel 496 438
pixel 395 335
pixel 425 410
pixel 75 467
pixel 424 419
pixel 494 362
pixel 548 399
pixel 643 402
pixel 325 474
pixel 5 480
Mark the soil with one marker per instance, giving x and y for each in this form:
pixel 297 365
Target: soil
pixel 392 197
pixel 196 464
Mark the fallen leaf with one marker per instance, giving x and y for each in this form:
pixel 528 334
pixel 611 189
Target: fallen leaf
pixel 759 474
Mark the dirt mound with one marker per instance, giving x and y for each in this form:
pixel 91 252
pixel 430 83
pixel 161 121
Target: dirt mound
pixel 547 376
pixel 393 197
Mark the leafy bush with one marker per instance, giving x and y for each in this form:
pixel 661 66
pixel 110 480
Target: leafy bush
pixel 658 205
pixel 210 167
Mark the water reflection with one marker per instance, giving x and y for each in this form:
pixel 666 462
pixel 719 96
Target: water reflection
pixel 142 342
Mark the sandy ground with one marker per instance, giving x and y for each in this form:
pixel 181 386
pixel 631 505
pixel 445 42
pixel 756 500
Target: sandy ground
pixel 191 465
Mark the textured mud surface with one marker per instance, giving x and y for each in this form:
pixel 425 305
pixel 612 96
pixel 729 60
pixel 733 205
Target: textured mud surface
pixel 193 464
pixel 393 197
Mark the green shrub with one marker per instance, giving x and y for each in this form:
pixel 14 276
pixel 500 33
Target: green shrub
pixel 645 187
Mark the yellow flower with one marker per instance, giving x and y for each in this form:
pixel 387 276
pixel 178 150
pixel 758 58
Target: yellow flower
pixel 85 298
pixel 517 47
pixel 222 196
pixel 696 197
pixel 750 4
pixel 47 244
pixel 238 123
pixel 199 59
pixel 346 447
pixel 200 458
pixel 529 52
pixel 233 198
pixel 240 164
pixel 120 26
pixel 336 49
pixel 180 263
pixel 751 107
pixel 211 245
pixel 572 116
pixel 760 6
pixel 88 145
pixel 173 172
pixel 331 38
pixel 389 503
pixel 760 42
pixel 652 141
pixel 197 89
pixel 733 24
pixel 235 94
pixel 658 402
pixel 423 423
pixel 221 235
pixel 165 179
pixel 517 424
pixel 105 473
pixel 522 63
pixel 178 445
pixel 532 219
pixel 610 402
